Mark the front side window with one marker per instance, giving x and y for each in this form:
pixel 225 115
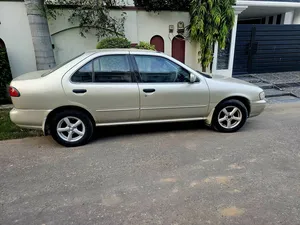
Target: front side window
pixel 105 69
pixel 155 69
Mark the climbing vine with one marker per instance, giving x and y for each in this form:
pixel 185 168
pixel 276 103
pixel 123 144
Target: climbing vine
pixel 89 14
pixel 5 74
pixel 210 21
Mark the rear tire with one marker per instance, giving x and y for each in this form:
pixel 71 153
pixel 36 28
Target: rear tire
pixel 229 116
pixel 71 128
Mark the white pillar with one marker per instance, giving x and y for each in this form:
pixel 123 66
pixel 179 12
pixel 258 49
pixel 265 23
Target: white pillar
pixel 274 19
pixel 267 20
pixel 228 72
pixel 296 19
pixel 288 17
pixel 282 18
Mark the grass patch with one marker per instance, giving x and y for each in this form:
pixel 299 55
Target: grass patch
pixel 8 130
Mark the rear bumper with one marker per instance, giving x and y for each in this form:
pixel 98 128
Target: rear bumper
pixel 257 107
pixel 33 119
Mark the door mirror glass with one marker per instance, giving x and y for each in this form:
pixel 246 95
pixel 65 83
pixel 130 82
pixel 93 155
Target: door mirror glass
pixel 193 78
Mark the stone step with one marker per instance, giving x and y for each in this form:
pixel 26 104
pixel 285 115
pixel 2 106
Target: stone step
pixel 251 79
pixel 280 99
pixel 294 90
pixel 286 85
pixel 264 85
pixel 275 92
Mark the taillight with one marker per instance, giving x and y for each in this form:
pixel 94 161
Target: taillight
pixel 13 92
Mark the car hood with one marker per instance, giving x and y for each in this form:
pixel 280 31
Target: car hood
pixel 230 80
pixel 32 75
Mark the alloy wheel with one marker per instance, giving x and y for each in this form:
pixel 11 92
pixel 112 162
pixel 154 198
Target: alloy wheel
pixel 230 117
pixel 70 129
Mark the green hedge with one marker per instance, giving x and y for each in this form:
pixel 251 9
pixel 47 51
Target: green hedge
pixel 116 42
pixel 145 45
pixel 113 43
pixel 5 75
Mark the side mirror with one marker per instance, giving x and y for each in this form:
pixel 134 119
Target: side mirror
pixel 192 78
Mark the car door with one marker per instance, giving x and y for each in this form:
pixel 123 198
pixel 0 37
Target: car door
pixel 104 85
pixel 165 90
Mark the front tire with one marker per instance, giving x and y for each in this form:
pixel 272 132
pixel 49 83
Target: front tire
pixel 71 128
pixel 229 116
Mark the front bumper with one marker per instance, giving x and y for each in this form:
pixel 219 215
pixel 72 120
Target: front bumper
pixel 26 118
pixel 257 107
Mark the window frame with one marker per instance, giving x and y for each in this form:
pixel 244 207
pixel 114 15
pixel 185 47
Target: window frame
pixel 138 75
pixel 131 70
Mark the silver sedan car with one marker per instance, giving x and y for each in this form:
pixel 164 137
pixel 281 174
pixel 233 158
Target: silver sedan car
pixel 127 86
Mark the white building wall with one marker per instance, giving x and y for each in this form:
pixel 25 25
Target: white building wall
pixel 288 17
pixel 68 42
pixel 16 34
pixel 66 38
pixel 130 26
pixel 150 24
pixel 139 26
pixel 128 2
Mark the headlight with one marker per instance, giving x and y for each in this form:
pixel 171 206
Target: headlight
pixel 262 95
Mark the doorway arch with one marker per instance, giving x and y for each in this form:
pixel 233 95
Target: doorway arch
pixel 178 48
pixel 2 44
pixel 5 73
pixel 158 42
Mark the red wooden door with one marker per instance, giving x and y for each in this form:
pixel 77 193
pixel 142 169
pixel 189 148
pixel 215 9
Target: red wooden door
pixel 158 42
pixel 178 48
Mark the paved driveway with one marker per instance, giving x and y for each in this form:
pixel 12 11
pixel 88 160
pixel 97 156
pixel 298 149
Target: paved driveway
pixel 181 174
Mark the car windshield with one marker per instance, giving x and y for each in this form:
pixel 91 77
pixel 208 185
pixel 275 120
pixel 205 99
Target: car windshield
pixel 60 65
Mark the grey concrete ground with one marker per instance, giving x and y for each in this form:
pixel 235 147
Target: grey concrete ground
pixel 158 174
pixel 279 77
pixel 279 87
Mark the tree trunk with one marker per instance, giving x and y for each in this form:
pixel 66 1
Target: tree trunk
pixel 203 69
pixel 38 23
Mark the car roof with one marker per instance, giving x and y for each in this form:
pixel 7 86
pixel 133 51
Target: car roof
pixel 120 50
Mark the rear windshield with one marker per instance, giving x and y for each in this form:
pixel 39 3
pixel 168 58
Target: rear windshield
pixel 61 65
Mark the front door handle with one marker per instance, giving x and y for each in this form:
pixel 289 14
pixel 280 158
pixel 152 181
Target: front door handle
pixel 79 91
pixel 150 90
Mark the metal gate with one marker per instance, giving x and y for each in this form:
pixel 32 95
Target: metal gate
pixel 266 48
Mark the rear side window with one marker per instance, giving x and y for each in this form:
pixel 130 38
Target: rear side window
pixel 84 74
pixel 105 69
pixel 61 65
pixel 112 69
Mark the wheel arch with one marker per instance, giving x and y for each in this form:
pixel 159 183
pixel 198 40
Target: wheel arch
pixel 242 99
pixel 46 125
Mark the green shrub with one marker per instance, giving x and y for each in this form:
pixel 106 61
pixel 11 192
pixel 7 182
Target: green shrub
pixel 5 75
pixel 145 45
pixel 114 42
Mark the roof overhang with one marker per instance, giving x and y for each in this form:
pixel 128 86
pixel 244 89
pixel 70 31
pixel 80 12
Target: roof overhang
pixel 268 3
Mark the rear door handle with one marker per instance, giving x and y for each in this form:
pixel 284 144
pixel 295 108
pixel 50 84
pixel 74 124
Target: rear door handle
pixel 150 90
pixel 79 91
